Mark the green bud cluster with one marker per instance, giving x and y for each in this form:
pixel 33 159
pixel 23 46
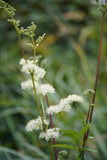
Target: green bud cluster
pixel 29 31
pixel 9 9
pixel 16 25
pixel 38 41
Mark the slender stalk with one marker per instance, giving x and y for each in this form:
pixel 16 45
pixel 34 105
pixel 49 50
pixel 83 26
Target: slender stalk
pixel 57 120
pixel 87 120
pixel 50 150
pixel 34 48
pixel 43 110
pixel 88 110
pixel 54 142
pixel 37 100
pixel 42 107
pixel 22 48
pixel 89 117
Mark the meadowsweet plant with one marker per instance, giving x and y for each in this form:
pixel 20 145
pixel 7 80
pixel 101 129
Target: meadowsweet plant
pixel 35 81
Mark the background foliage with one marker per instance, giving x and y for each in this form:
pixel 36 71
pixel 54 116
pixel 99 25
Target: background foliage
pixel 71 47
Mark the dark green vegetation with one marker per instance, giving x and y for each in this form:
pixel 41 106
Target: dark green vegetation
pixel 71 48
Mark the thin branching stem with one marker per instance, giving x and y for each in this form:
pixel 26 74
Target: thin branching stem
pixel 96 80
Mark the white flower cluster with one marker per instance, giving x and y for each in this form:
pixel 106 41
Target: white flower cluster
pixel 75 98
pixel 42 89
pixel 32 67
pixel 28 84
pixel 36 124
pixel 50 133
pixel 64 104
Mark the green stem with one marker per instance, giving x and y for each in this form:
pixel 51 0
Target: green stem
pixel 43 110
pixel 43 107
pixel 57 120
pixel 34 49
pixel 37 99
pixel 50 150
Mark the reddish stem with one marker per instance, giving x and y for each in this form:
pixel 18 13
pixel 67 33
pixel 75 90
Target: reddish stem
pixel 22 48
pixel 55 150
pixel 90 112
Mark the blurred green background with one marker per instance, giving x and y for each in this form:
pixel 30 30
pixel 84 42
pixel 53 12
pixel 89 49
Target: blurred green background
pixel 72 30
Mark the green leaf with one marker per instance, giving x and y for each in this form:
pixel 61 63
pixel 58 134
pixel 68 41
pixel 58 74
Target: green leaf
pixel 70 133
pixel 84 129
pixel 90 149
pixel 65 146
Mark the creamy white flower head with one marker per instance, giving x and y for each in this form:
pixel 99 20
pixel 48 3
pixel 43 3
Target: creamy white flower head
pixel 28 84
pixel 23 62
pixel 31 67
pixel 43 89
pixel 50 133
pixel 36 124
pixel 58 108
pixel 64 101
pixel 53 109
pixel 64 104
pixel 75 98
